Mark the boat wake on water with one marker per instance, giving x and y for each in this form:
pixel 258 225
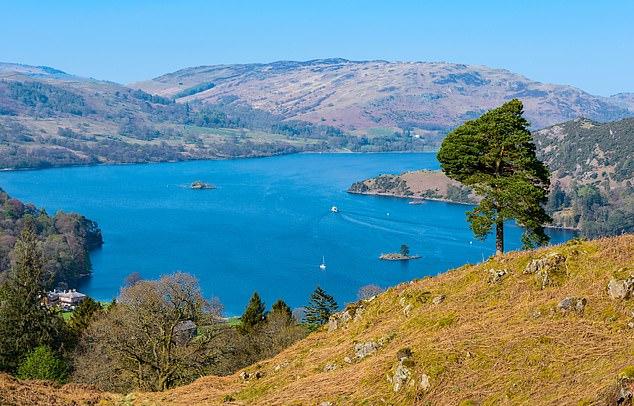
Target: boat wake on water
pixel 376 225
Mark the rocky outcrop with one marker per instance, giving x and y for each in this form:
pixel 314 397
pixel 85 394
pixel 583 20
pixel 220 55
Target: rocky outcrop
pixel 362 350
pixel 547 269
pixel 621 288
pixel 404 372
pixel 402 375
pixel 246 376
pixel 496 275
pixel 572 304
pixel 352 312
pixel 438 299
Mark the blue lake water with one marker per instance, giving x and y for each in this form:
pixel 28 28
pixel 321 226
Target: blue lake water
pixel 265 227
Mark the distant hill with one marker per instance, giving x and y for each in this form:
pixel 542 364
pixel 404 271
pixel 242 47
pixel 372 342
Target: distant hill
pixel 534 327
pixel 52 118
pixel 592 181
pixel 625 100
pixel 379 95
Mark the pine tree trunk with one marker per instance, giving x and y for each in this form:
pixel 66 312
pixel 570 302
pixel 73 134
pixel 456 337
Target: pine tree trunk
pixel 499 237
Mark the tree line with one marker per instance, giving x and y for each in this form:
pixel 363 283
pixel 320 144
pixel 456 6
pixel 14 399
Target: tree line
pixel 65 240
pixel 155 335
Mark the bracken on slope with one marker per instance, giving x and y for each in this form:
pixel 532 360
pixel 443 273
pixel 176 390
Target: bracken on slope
pixel 533 327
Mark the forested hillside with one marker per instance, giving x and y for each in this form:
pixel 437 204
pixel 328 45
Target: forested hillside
pixel 65 239
pixel 50 118
pixel 592 177
pixel 592 181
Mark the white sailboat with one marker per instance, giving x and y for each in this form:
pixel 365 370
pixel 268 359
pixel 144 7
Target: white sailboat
pixel 323 264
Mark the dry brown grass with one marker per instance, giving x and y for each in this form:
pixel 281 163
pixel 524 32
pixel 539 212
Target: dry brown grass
pixel 16 392
pixel 487 344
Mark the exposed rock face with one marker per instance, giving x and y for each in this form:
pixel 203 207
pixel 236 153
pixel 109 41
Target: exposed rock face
pixel 545 268
pixel 572 304
pixel 424 382
pixel 403 372
pixel 352 312
pixel 496 275
pixel 401 376
pixel 331 366
pixel 621 288
pixel 362 350
pixel 438 299
pixel 245 376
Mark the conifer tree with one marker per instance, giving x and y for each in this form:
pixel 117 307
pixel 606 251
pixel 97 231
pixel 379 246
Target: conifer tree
pixel 25 322
pixel 254 313
pixel 282 310
pixel 495 155
pixel 83 315
pixel 320 307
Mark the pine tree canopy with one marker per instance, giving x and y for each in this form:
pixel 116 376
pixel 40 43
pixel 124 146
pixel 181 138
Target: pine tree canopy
pixel 320 307
pixel 254 313
pixel 281 309
pixel 25 322
pixel 495 155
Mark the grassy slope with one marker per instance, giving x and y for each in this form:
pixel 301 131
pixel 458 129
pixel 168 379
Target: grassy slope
pixel 489 343
pixel 484 343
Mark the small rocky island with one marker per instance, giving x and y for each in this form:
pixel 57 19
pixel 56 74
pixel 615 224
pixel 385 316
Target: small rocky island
pixel 395 256
pixel 403 255
pixel 199 185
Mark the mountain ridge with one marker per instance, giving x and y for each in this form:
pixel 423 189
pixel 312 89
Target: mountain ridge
pixel 52 118
pixel 414 94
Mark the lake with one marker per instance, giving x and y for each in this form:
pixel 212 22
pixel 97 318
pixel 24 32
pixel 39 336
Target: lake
pixel 266 227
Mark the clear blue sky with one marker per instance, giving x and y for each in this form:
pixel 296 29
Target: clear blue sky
pixel 589 44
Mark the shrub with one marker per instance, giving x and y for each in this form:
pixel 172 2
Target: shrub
pixel 41 363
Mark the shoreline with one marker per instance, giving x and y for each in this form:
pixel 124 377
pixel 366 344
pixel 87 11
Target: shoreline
pixel 438 199
pixel 413 198
pixel 218 158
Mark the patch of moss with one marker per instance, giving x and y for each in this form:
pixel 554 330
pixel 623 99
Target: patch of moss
pixel 627 372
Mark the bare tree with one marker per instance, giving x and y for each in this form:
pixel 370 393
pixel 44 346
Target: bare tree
pixel 367 291
pixel 138 343
pixel 132 279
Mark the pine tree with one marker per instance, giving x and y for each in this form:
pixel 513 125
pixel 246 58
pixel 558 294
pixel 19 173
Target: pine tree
pixel 254 313
pixel 25 322
pixel 495 155
pixel 83 315
pixel 282 310
pixel 320 307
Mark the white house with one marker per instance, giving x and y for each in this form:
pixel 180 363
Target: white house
pixel 66 299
